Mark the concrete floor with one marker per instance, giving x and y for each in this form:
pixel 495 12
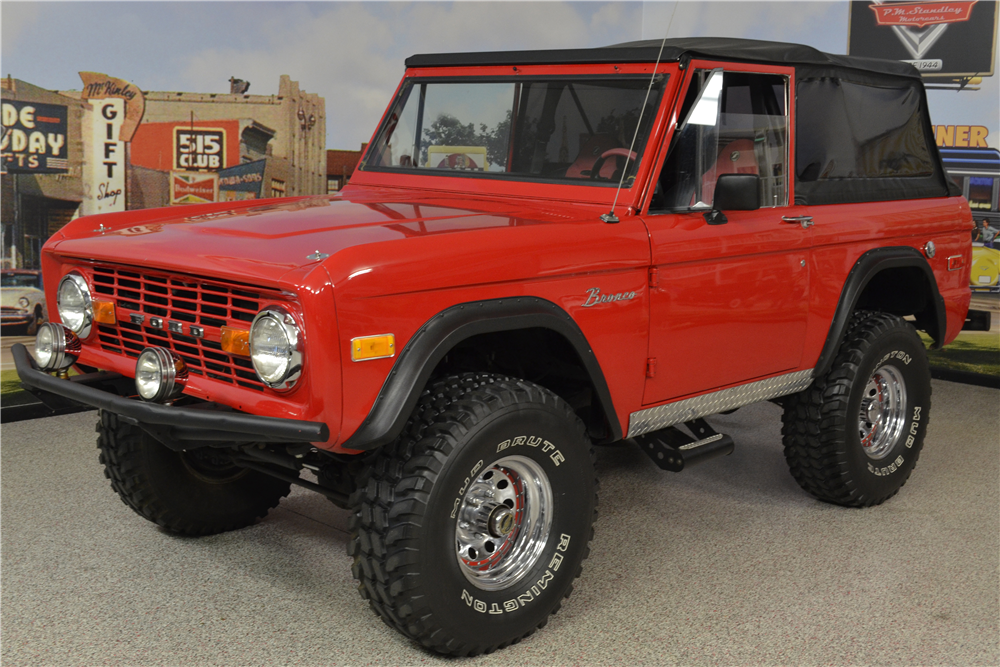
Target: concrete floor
pixel 725 563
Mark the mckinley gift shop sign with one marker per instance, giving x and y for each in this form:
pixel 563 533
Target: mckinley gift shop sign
pixel 117 107
pixel 107 184
pixel 34 138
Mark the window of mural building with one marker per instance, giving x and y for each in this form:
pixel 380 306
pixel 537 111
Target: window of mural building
pixel 277 188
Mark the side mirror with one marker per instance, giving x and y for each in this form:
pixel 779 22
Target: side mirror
pixel 734 192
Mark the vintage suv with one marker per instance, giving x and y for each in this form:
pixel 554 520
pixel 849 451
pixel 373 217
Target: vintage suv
pixel 540 251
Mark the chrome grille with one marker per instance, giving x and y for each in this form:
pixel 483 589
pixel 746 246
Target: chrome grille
pixel 179 302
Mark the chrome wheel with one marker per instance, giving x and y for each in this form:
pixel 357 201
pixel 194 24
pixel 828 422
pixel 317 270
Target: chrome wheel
pixel 503 523
pixel 883 412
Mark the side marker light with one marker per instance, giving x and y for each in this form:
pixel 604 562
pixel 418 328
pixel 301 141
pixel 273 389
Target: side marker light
pixel 373 347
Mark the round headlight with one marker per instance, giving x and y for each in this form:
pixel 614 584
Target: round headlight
pixel 73 304
pixel 56 347
pixel 158 375
pixel 275 348
pixel 23 302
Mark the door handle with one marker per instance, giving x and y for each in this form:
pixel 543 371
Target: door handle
pixel 805 220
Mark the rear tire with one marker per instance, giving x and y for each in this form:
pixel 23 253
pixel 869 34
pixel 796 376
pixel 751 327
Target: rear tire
pixel 853 437
pixel 470 529
pixel 199 492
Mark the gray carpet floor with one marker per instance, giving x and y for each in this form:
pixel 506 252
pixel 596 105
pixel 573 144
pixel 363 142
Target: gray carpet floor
pixel 726 563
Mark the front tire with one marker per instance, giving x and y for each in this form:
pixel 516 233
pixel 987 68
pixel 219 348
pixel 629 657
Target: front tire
pixel 853 437
pixel 199 492
pixel 470 529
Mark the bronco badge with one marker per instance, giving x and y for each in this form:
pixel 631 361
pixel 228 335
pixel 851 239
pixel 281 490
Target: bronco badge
pixel 595 297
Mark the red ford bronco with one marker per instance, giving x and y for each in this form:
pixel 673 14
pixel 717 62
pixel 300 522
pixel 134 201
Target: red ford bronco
pixel 540 251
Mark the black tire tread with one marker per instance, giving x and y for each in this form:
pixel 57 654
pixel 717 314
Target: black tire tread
pixel 118 442
pixel 394 488
pixel 815 421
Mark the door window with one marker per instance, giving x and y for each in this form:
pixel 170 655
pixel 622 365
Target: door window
pixel 731 123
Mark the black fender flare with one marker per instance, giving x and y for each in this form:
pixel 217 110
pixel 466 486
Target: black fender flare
pixel 867 266
pixel 422 353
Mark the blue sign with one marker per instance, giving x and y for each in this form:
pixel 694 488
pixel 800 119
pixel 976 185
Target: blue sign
pixel 247 177
pixel 34 138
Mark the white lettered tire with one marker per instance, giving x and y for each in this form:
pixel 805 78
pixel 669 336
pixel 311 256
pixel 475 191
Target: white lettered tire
pixel 854 436
pixel 470 529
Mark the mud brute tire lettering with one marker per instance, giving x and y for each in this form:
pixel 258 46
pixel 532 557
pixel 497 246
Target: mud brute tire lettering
pixel 470 529
pixel 190 493
pixel 854 436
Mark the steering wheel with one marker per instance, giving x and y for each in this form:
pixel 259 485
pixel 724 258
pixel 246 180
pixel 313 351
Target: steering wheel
pixel 595 170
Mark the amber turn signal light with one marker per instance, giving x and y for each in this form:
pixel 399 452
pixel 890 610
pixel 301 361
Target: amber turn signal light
pixel 104 312
pixel 373 347
pixel 235 341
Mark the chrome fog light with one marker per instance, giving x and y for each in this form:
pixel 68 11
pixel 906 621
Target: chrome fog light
pixel 56 347
pixel 73 304
pixel 159 375
pixel 275 348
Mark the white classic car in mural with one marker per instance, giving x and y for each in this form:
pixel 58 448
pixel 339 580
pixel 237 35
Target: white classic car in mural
pixel 22 301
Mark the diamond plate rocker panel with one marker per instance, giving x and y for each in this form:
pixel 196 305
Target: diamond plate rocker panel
pixel 662 416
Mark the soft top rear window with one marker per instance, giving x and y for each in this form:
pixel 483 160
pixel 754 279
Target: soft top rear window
pixel 866 139
pixel 576 129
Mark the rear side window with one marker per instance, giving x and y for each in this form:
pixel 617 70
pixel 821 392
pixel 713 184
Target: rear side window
pixel 850 130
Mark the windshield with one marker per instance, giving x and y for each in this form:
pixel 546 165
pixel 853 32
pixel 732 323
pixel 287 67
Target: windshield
pixel 19 280
pixel 533 128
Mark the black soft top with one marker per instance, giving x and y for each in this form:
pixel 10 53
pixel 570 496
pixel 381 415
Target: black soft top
pixel 712 48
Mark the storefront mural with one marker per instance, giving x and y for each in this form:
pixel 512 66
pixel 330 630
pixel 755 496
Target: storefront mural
pixel 34 138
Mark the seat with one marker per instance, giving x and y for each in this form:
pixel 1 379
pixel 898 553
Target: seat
pixel 591 148
pixel 737 157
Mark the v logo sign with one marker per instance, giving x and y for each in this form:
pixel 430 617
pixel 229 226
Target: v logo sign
pixel 918 41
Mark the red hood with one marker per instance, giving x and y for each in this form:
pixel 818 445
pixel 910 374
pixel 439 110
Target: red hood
pixel 260 242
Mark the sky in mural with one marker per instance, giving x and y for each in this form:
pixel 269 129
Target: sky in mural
pixel 352 53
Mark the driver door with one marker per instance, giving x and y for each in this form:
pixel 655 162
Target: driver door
pixel 731 299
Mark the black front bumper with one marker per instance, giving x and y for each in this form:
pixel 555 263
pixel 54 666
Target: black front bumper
pixel 179 428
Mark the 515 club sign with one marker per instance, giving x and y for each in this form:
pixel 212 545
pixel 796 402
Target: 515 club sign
pixel 199 149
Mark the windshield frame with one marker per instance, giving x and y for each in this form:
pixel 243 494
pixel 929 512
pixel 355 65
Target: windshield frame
pixel 667 78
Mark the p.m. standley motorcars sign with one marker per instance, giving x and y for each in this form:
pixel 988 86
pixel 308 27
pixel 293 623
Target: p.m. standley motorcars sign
pixel 922 14
pixel 952 39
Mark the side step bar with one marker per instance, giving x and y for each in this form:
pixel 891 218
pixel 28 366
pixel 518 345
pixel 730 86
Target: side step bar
pixel 672 449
